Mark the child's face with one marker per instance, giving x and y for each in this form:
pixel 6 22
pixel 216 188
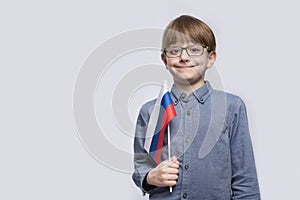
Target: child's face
pixel 188 69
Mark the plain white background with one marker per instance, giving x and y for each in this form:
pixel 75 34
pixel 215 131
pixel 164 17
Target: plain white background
pixel 44 43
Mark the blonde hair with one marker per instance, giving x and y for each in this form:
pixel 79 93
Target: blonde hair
pixel 188 28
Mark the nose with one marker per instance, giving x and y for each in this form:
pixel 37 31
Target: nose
pixel 184 57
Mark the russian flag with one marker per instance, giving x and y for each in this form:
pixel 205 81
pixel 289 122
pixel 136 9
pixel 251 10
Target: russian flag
pixel 161 115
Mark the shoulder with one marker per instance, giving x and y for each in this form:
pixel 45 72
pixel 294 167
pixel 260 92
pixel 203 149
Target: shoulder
pixel 233 102
pixel 148 106
pixel 145 111
pixel 228 96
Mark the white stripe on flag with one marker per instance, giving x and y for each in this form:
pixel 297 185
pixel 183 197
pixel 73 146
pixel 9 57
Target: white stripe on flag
pixel 154 117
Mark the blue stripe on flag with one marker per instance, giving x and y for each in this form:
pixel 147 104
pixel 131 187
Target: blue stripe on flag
pixel 166 100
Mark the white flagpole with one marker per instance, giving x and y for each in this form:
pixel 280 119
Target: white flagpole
pixel 169 149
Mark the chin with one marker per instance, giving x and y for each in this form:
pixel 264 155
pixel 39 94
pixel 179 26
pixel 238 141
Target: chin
pixel 184 80
pixel 189 80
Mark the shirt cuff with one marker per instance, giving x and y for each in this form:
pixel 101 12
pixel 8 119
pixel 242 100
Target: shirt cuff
pixel 146 187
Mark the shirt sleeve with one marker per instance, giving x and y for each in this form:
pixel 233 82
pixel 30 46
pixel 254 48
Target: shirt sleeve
pixel 143 162
pixel 244 177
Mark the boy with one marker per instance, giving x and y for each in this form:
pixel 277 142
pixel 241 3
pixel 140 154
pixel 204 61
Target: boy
pixel 212 156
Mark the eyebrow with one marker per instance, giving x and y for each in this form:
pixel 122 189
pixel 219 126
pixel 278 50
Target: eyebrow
pixel 194 44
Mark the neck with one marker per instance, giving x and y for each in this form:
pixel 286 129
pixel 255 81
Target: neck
pixel 189 88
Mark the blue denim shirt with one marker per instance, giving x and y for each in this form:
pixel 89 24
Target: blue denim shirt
pixel 210 137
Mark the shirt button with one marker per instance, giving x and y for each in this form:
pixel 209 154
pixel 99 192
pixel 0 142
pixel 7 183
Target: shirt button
pixel 187 140
pixel 188 113
pixel 186 167
pixel 201 100
pixel 184 195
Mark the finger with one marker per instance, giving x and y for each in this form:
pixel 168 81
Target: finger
pixel 173 171
pixel 168 164
pixel 174 159
pixel 170 183
pixel 163 164
pixel 174 165
pixel 172 177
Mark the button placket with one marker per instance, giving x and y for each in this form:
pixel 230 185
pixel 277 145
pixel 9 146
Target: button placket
pixel 186 167
pixel 188 104
pixel 188 113
pixel 187 140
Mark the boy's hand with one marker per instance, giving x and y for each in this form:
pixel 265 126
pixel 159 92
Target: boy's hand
pixel 164 174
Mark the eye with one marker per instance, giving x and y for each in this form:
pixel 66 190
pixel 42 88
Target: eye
pixel 174 51
pixel 195 49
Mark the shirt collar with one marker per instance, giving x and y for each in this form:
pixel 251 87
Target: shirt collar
pixel 201 94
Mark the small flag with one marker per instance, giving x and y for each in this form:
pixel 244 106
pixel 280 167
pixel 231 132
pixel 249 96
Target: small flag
pixel 161 115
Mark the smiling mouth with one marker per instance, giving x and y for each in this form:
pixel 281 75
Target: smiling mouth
pixel 185 67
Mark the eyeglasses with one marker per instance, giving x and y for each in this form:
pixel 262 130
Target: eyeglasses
pixel 193 50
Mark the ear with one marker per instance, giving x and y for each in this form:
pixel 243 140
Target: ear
pixel 163 58
pixel 211 59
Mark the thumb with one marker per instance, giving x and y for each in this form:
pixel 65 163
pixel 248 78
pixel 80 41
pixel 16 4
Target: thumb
pixel 174 159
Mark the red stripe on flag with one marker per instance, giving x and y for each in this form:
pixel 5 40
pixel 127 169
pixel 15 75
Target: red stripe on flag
pixel 168 115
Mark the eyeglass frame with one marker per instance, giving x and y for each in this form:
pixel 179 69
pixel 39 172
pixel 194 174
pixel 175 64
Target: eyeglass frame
pixel 185 48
